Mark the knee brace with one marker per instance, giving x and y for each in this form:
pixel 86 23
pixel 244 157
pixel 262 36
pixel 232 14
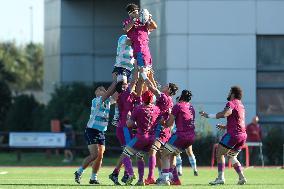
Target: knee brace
pixel 127 152
pixel 139 155
pixel 154 147
pixel 171 149
pixel 233 156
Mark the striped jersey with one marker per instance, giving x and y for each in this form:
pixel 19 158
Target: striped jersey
pixel 99 114
pixel 124 54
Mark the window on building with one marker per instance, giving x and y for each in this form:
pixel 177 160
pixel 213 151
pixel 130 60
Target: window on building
pixel 270 78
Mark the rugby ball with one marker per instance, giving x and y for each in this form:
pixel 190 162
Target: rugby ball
pixel 144 16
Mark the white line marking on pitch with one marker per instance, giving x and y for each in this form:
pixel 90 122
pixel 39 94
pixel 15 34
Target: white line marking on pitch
pixel 3 173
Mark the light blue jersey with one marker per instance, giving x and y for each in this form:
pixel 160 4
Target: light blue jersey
pixel 124 54
pixel 99 114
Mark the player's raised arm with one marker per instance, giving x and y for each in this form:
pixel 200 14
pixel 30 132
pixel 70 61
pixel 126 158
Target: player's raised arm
pixel 225 113
pixel 132 11
pixel 149 84
pixel 129 25
pixel 152 25
pixel 133 82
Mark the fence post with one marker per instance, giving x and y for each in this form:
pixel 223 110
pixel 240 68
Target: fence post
pixel 19 155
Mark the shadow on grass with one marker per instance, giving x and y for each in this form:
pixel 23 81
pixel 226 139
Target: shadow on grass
pixel 23 184
pixel 200 185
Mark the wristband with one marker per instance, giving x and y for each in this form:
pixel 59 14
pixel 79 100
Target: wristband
pixel 212 116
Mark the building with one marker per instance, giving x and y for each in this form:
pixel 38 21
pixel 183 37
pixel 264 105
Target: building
pixel 203 45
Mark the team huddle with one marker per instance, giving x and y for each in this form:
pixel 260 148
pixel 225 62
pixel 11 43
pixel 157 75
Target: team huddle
pixel 147 120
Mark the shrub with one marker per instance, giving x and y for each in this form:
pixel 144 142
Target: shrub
pixel 24 115
pixel 273 146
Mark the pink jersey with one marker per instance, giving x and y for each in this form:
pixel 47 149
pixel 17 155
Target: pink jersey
pixel 125 102
pixel 184 118
pixel 146 118
pixel 140 40
pixel 236 121
pixel 165 103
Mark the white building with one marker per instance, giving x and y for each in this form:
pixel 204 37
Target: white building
pixel 202 45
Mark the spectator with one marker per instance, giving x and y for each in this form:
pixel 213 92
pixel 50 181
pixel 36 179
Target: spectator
pixel 254 131
pixel 70 138
pixel 254 135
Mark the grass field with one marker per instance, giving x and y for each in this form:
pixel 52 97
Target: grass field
pixel 62 177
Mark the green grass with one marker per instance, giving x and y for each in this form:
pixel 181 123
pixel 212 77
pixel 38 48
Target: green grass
pixel 41 159
pixel 62 177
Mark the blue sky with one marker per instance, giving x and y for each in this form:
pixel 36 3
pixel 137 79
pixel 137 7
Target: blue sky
pixel 15 20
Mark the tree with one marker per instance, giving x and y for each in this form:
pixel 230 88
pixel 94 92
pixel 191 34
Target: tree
pixel 25 63
pixel 5 93
pixel 24 115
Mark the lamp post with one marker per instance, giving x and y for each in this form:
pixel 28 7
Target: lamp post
pixel 31 24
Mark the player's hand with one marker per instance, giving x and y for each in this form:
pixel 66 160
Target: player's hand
pixel 204 114
pixel 163 122
pixel 150 18
pixel 221 127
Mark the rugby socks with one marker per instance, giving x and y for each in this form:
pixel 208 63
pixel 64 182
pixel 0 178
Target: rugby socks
pixel 221 168
pixel 116 171
pixel 179 163
pixel 128 165
pixel 238 169
pixel 152 165
pixel 141 166
pixel 160 173
pixel 80 170
pixel 94 176
pixel 166 174
pixel 192 162
pixel 126 173
pixel 175 174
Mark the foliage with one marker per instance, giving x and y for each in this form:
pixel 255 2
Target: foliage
pixel 24 114
pixel 25 63
pixel 273 146
pixel 202 126
pixel 5 93
pixel 71 101
pixel 5 101
pixel 202 149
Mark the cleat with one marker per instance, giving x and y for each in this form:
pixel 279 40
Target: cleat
pixel 158 180
pixel 77 177
pixel 129 180
pixel 195 173
pixel 124 178
pixel 163 182
pixel 171 177
pixel 114 178
pixel 140 183
pixel 217 181
pixel 242 181
pixel 179 173
pixel 149 181
pixel 177 182
pixel 94 181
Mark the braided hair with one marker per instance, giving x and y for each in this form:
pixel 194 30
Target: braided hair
pixel 173 89
pixel 185 96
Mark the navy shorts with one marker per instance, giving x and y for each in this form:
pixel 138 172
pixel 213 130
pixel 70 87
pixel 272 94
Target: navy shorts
pixel 94 136
pixel 69 143
pixel 120 71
